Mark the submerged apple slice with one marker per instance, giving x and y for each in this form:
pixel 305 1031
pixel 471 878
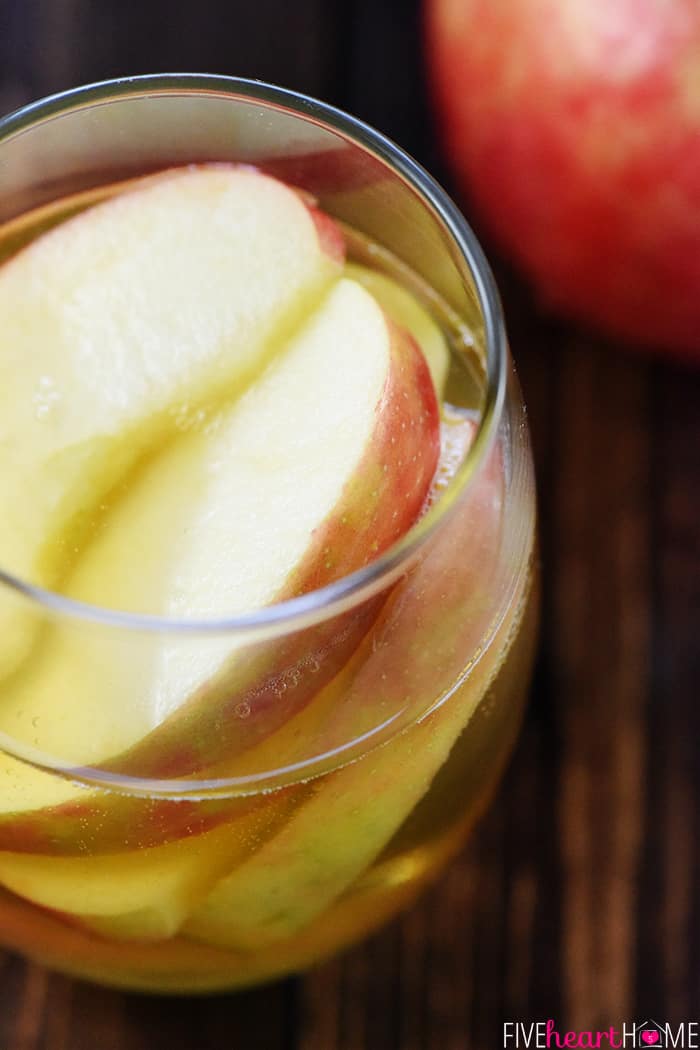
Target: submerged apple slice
pixel 143 894
pixel 323 463
pixel 119 325
pixel 417 650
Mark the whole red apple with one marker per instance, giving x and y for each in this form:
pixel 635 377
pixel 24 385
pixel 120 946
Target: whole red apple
pixel 574 125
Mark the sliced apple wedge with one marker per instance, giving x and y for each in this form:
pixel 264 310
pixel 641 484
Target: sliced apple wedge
pixel 143 894
pixel 323 463
pixel 417 649
pixel 124 322
pixel 42 814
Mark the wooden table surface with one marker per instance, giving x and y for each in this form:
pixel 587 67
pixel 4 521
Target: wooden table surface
pixel 576 899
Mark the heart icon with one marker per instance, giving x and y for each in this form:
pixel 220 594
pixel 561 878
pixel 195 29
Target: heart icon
pixel 650 1038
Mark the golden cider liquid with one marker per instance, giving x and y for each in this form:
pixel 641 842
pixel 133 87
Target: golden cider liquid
pixel 313 864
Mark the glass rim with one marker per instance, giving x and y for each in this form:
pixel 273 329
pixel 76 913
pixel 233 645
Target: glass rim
pixel 334 598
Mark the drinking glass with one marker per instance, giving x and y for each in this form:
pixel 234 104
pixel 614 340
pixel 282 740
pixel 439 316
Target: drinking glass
pixel 313 795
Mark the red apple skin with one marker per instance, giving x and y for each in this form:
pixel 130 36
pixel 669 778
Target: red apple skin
pixel 575 129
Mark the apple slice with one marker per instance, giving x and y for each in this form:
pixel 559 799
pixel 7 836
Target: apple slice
pixel 147 894
pixel 416 649
pixel 219 526
pixel 119 326
pixel 173 966
pixel 143 894
pixel 41 813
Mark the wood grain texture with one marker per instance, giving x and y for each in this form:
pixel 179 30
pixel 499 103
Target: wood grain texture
pixel 577 898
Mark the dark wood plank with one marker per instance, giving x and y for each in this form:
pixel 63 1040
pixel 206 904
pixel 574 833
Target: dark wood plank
pixel 668 960
pixel 602 589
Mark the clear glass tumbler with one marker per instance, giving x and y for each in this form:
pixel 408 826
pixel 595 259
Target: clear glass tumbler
pixel 289 811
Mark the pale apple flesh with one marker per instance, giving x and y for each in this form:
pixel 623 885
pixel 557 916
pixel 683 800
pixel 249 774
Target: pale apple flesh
pixel 304 426
pixel 134 315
